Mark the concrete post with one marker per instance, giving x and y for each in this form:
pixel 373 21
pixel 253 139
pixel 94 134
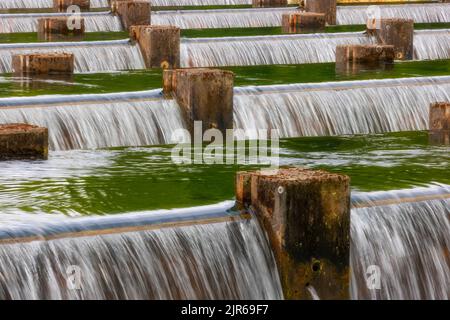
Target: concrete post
pixel 396 32
pixel 302 22
pixel 203 95
pixel 160 45
pixel 23 142
pixel 440 123
pixel 306 214
pixel 60 28
pixel 364 53
pixel 62 5
pixel 132 13
pixel 328 7
pixel 43 63
pixel 269 3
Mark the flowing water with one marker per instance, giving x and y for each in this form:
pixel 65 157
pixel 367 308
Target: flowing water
pixel 93 56
pixel 295 49
pixel 94 21
pixel 408 243
pixel 271 17
pixel 145 118
pixel 40 4
pixel 227 260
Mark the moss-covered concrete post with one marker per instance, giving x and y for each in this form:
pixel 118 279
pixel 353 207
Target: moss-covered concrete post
pixel 306 214
pixel 440 123
pixel 23 142
pixel 160 45
pixel 396 32
pixel 302 22
pixel 43 64
pixel 62 5
pixel 328 7
pixel 269 3
pixel 203 95
pixel 132 13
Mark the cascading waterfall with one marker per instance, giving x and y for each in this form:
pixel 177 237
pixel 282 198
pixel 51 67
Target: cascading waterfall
pixel 94 21
pixel 169 3
pixel 351 107
pixel 271 17
pixel 295 49
pixel 102 124
pixel 90 56
pixel 409 244
pixel 224 260
pixel 145 118
pixel 41 4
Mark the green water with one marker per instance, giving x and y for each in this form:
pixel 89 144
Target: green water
pixel 250 75
pixel 132 179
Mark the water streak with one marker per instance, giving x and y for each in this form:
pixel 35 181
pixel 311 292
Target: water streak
pixel 41 4
pixel 95 56
pixel 94 21
pixel 295 49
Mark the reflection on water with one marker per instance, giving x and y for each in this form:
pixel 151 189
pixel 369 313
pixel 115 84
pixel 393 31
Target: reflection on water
pixel 134 179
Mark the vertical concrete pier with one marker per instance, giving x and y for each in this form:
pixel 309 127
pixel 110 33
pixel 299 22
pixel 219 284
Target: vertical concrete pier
pixel 22 142
pixel 269 3
pixel 160 45
pixel 57 28
pixel 43 64
pixel 62 5
pixel 328 7
pixel 306 214
pixel 132 13
pixel 440 123
pixel 302 22
pixel 204 95
pixel 396 32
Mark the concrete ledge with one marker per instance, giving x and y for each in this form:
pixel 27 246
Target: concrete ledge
pixel 43 63
pixel 302 21
pixel 23 141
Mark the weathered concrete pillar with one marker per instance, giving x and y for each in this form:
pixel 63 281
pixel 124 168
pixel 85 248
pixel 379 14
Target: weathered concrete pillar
pixel 62 5
pixel 302 22
pixel 396 32
pixel 204 95
pixel 306 214
pixel 43 63
pixel 160 45
pixel 328 7
pixel 23 141
pixel 132 13
pixel 364 53
pixel 269 3
pixel 60 28
pixel 440 123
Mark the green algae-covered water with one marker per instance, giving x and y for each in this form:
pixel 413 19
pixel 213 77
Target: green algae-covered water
pixel 248 75
pixel 132 179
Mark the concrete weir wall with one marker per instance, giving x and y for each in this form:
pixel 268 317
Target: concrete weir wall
pixel 302 21
pixel 43 63
pixel 440 123
pixel 22 142
pixel 203 95
pixel 328 7
pixel 306 214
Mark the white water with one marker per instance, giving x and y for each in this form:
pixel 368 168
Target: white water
pixel 409 243
pixel 355 107
pixel 95 56
pixel 97 125
pixel 229 260
pixel 94 21
pixel 169 3
pixel 41 4
pixel 336 108
pixel 271 17
pixel 295 49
